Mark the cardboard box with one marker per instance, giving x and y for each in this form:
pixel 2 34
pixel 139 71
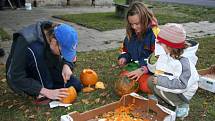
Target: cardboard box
pixel 149 109
pixel 206 81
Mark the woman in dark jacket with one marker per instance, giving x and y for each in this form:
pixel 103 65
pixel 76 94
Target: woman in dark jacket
pixel 41 60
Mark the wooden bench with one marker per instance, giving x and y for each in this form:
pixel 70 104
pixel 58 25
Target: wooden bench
pixel 121 10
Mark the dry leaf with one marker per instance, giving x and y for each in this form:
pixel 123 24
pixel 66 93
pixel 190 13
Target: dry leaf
pixel 85 101
pixel 9 107
pixel 3 80
pixel 32 117
pixel 5 91
pixel 97 100
pixel 103 94
pixel 21 107
pixel 103 102
pixel 27 110
pixel 47 113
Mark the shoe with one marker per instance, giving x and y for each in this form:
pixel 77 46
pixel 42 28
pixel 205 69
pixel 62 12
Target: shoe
pixel 42 101
pixel 153 97
pixel 182 111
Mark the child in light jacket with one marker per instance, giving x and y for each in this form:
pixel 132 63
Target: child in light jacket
pixel 176 77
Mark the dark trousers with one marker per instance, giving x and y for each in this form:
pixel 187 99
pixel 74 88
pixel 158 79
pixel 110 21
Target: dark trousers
pixel 39 68
pixel 93 3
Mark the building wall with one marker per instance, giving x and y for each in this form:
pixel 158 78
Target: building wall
pixel 72 2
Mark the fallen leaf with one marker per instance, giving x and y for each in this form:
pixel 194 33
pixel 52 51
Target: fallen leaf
pixel 10 106
pixel 27 110
pixel 97 100
pixel 85 101
pixel 32 117
pixel 3 80
pixel 103 102
pixel 21 107
pixel 103 94
pixel 47 113
pixel 5 91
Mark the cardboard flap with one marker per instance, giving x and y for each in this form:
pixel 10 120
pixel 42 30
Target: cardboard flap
pixel 210 70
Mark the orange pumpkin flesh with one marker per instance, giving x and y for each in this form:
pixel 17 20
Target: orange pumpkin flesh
pixel 88 77
pixel 71 97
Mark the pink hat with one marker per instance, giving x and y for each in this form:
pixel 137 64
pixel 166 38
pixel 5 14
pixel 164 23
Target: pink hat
pixel 173 35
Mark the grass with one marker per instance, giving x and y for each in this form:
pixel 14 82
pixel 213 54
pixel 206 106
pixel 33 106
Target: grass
pixel 4 35
pixel 16 108
pixel 99 21
pixel 119 1
pixel 165 13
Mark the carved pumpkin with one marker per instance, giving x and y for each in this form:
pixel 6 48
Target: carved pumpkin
pixel 124 85
pixel 71 97
pixel 88 77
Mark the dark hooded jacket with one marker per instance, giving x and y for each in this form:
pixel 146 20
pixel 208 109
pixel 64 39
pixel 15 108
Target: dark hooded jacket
pixel 17 75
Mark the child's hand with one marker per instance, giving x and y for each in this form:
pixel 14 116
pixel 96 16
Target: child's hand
pixel 121 62
pixel 155 80
pixel 135 74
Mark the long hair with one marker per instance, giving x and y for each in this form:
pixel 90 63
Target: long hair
pixel 146 17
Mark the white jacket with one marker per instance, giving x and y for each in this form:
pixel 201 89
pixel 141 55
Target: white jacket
pixel 184 78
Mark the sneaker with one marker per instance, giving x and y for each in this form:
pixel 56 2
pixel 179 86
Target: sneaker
pixel 153 97
pixel 182 111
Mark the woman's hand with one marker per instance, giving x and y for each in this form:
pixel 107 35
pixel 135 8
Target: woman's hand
pixel 136 74
pixel 66 73
pixel 56 94
pixel 122 62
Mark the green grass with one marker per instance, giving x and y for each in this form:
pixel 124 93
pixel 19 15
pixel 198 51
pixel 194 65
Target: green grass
pixel 119 1
pixel 99 21
pixel 4 35
pixel 16 108
pixel 165 13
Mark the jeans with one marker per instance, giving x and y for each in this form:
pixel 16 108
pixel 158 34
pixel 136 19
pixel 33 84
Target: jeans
pixel 47 70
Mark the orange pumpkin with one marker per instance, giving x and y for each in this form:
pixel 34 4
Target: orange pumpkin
pixel 143 83
pixel 88 77
pixel 71 97
pixel 124 85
